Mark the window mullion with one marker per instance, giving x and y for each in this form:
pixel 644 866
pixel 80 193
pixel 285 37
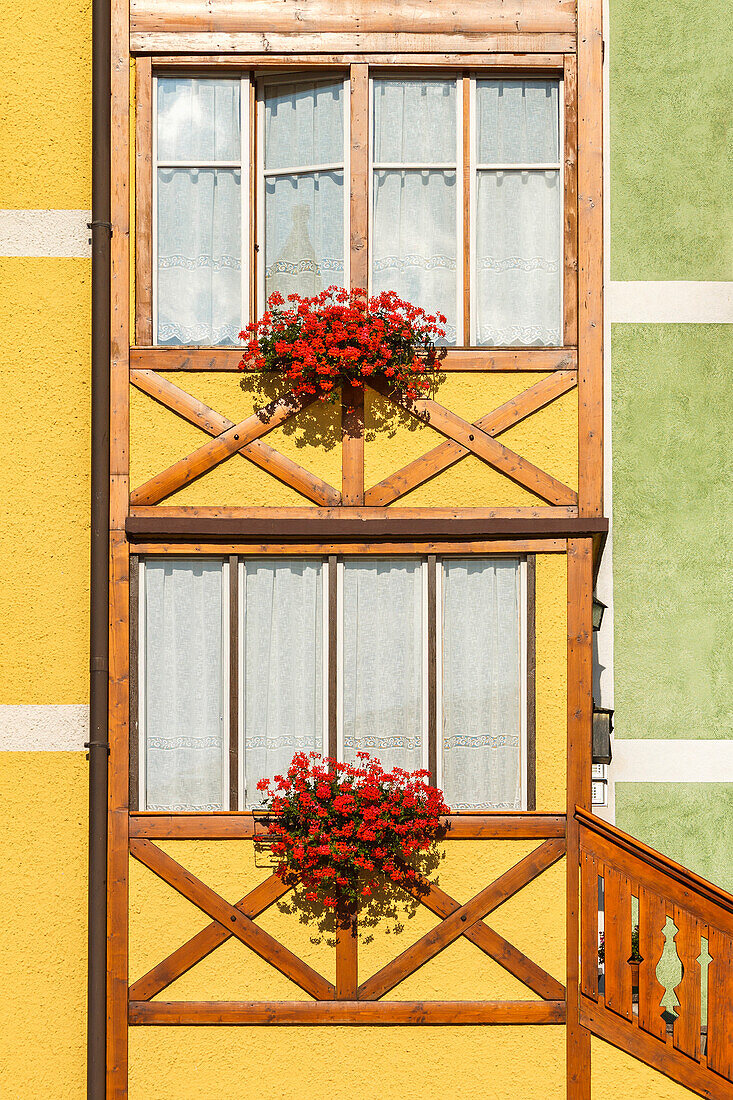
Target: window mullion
pixel 359 175
pixel 233 682
pixel 465 303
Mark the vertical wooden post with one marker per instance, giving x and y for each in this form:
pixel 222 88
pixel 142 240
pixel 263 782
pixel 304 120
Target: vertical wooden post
pixel 119 651
pixel 580 717
pixel 347 960
pixel 590 258
pixel 352 397
pixel 143 200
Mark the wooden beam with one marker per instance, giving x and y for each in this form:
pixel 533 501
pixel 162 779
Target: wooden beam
pixel 461 920
pixel 342 525
pixel 347 960
pixel 218 450
pixel 473 360
pixel 362 17
pixel 590 258
pixel 511 547
pixel 579 721
pixel 204 942
pixel 447 454
pixel 384 43
pixel 241 826
pixel 484 446
pixel 386 1013
pixel 232 919
pixel 516 63
pixel 258 452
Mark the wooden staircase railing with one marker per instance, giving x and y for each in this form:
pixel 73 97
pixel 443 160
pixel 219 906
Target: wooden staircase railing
pixel 625 883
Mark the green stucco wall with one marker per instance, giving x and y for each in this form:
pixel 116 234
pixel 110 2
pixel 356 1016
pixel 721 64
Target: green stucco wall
pixel 681 820
pixel 672 397
pixel 671 154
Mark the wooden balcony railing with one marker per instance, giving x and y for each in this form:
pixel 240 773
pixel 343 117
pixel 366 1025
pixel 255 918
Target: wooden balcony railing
pixel 351 998
pixel 624 884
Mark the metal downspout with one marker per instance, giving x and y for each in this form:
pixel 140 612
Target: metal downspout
pixel 99 558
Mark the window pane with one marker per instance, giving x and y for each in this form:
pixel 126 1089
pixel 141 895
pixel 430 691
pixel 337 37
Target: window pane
pixel 481 686
pixel 383 661
pixel 304 233
pixel 198 119
pixel 517 121
pixel 304 124
pixel 282 657
pixel 414 121
pixel 199 298
pixel 414 240
pixel 518 274
pixel 185 749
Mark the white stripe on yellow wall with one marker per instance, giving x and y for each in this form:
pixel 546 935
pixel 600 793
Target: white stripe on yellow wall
pixel 678 302
pixel 62 728
pixel 45 233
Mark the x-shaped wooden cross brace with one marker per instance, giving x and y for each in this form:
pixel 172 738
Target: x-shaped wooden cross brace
pixel 237 920
pixel 463 439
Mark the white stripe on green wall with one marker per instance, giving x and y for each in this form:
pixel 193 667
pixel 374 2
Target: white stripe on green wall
pixel 31 233
pixel 62 728
pixel 688 303
pixel 645 760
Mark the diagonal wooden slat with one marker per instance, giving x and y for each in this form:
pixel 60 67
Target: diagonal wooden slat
pixel 462 919
pixel 204 942
pixel 234 920
pixel 218 450
pixel 500 950
pixel 264 456
pixel 484 446
pixel 447 454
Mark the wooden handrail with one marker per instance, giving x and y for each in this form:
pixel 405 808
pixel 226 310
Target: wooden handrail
pixel 707 890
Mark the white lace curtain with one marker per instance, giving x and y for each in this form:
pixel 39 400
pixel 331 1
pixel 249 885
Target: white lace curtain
pixel 383 691
pixel 518 273
pixel 304 187
pixel 282 666
pixel 481 718
pixel 185 763
pixel 414 245
pixel 199 219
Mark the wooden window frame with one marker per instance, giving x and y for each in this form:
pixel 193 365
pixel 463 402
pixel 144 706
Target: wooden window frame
pixel 360 73
pixel 233 566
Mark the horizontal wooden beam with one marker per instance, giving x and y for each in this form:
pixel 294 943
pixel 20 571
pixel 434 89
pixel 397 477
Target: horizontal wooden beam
pixel 386 43
pixel 475 360
pixel 360 525
pixel 321 549
pixel 502 62
pixel 240 825
pixel 385 1013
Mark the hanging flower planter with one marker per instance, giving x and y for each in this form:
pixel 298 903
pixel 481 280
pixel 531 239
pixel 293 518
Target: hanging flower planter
pixel 347 835
pixel 340 336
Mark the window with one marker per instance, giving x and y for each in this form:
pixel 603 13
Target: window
pixel 463 193
pixel 419 661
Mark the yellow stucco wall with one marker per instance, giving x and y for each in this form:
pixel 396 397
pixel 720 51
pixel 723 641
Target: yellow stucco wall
pixel 44 503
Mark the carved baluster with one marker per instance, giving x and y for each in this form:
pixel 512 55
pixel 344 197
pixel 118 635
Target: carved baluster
pixel 687 941
pixel 720 1004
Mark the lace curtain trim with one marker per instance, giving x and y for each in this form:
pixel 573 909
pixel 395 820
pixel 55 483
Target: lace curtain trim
pixel 193 263
pixel 370 741
pixel 186 808
pixel 515 805
pixel 167 743
pixel 300 267
pixel 485 741
pixel 199 334
pixel 518 263
pixel 403 263
pixel 519 334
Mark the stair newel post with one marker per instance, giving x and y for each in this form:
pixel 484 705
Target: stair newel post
pixel 580 716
